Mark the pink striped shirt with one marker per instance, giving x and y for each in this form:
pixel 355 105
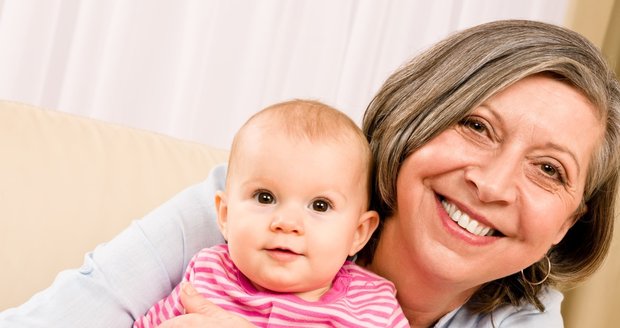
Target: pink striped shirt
pixel 358 298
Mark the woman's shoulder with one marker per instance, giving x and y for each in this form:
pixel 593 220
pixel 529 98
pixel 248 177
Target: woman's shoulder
pixel 525 315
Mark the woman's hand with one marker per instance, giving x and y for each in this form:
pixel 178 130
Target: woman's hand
pixel 201 312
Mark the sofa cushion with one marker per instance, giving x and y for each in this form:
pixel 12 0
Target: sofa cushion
pixel 69 183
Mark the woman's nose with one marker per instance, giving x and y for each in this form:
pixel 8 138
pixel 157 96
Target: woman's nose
pixel 287 221
pixel 494 177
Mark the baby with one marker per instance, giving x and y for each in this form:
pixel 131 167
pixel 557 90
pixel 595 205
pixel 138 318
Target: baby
pixel 294 209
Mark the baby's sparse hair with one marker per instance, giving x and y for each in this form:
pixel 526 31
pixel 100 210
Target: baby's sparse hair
pixel 307 119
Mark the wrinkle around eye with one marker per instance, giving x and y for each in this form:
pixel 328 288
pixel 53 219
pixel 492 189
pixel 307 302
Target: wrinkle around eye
pixel 546 182
pixel 479 138
pixel 558 172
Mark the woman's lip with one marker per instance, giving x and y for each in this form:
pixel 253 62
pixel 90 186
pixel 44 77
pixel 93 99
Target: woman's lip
pixel 457 231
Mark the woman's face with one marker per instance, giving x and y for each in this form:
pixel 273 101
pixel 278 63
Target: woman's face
pixel 490 196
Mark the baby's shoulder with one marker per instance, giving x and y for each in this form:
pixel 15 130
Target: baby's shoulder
pixel 361 278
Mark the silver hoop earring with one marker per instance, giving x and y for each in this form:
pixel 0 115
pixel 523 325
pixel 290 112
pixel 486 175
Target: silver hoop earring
pixel 544 279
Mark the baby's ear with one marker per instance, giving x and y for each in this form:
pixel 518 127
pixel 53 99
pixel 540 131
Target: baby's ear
pixel 367 224
pixel 221 206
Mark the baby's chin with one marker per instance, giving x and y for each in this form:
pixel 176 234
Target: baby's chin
pixel 307 293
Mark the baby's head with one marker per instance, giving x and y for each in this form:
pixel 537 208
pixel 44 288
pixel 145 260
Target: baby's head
pixel 296 198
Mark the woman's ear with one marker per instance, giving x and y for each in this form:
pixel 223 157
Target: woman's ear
pixel 367 224
pixel 581 210
pixel 221 207
pixel 563 230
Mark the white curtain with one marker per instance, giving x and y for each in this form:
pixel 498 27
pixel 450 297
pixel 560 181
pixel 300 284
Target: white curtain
pixel 197 69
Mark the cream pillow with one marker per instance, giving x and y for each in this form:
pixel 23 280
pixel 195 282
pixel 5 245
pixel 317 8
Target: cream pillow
pixel 68 183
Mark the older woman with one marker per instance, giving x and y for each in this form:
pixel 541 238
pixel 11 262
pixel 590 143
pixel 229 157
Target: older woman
pixel 497 166
pixel 496 172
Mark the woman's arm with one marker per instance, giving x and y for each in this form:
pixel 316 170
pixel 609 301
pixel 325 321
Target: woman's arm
pixel 121 279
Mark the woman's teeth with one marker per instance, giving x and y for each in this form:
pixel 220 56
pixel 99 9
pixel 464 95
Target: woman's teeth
pixel 465 221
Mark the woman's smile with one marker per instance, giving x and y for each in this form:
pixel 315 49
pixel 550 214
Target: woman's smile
pixel 465 221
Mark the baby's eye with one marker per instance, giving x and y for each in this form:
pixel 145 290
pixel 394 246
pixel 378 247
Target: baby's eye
pixel 320 205
pixel 264 197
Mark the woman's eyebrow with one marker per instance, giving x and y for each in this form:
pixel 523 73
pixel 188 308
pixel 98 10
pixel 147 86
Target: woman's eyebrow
pixel 491 109
pixel 565 150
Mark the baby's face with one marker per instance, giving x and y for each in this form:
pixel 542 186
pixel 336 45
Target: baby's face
pixel 292 210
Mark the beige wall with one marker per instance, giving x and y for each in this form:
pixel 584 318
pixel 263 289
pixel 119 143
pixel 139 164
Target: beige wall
pixel 596 303
pixel 590 18
pixel 611 44
pixel 599 21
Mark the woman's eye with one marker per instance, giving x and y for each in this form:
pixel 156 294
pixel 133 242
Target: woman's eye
pixel 475 125
pixel 264 197
pixel 320 205
pixel 552 171
pixel 549 169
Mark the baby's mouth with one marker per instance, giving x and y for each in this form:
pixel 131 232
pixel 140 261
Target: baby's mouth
pixel 283 254
pixel 466 222
pixel 283 250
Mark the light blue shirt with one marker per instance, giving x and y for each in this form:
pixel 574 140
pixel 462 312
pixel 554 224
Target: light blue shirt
pixel 124 277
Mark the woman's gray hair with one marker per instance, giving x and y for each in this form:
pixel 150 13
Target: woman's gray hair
pixel 441 86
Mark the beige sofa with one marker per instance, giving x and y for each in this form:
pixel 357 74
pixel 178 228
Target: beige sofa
pixel 69 183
